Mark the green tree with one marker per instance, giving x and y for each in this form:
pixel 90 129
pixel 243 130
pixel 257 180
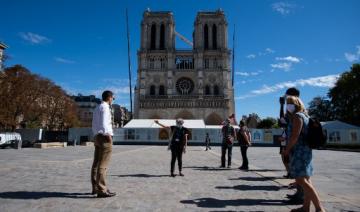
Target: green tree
pixel 267 123
pixel 345 96
pixel 321 108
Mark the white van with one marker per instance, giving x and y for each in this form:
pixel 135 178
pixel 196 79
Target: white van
pixel 9 139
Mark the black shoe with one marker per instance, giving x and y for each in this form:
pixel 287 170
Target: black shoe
pixel 295 201
pixel 287 176
pixel 229 166
pixel 172 175
pixel 181 174
pixel 105 195
pixel 244 168
pixel 109 192
pixel 222 167
pixel 291 196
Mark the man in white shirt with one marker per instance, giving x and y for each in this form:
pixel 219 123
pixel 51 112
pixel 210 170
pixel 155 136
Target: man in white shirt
pixel 103 131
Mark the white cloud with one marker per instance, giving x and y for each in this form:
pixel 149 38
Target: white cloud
pixel 286 63
pixel 353 57
pixel 246 74
pixel 269 51
pixel 282 66
pixel 289 59
pixel 62 60
pixel 323 81
pixel 251 56
pixel 266 51
pixel 283 8
pixel 34 38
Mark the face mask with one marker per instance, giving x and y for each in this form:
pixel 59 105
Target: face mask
pixel 179 125
pixel 290 108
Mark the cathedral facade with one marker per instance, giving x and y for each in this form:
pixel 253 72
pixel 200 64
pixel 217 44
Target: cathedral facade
pixel 176 83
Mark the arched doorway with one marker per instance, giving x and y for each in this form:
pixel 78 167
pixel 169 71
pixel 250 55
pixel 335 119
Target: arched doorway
pixel 163 134
pixel 185 115
pixel 213 119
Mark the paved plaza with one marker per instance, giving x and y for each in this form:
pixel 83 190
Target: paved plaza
pixel 58 180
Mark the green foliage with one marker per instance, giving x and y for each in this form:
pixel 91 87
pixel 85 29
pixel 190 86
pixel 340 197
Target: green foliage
pixel 345 96
pixel 321 108
pixel 267 123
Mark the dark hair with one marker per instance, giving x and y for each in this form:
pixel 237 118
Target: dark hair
pixel 293 92
pixel 106 95
pixel 242 123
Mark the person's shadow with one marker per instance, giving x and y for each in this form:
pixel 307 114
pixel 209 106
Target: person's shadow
pixel 218 203
pixel 141 175
pixel 42 194
pixel 251 187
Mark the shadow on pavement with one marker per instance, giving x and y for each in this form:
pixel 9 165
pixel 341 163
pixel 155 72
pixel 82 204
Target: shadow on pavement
pixel 43 194
pixel 266 170
pixel 250 187
pixel 255 179
pixel 207 168
pixel 218 203
pixel 141 175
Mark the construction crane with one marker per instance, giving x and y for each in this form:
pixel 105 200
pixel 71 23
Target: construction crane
pixel 184 39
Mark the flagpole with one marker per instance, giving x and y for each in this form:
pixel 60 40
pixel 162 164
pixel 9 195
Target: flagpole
pixel 129 64
pixel 233 59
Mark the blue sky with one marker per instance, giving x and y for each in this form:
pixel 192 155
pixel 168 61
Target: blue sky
pixel 81 44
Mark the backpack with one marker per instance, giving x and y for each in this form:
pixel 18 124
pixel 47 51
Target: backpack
pixel 315 136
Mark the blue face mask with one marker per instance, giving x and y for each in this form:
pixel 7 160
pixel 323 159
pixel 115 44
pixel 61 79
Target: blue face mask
pixel 290 108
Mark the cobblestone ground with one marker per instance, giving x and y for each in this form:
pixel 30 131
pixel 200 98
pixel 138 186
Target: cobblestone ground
pixel 58 180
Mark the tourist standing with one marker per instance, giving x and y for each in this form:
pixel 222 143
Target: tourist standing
pixel 207 142
pixel 244 138
pixel 178 144
pixel 103 131
pixel 228 133
pixel 301 154
pixel 298 196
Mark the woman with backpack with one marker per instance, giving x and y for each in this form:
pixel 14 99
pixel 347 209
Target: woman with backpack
pixel 244 137
pixel 301 154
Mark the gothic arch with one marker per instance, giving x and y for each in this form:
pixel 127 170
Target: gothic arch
pixel 152 90
pixel 161 90
pixel 163 134
pixel 213 119
pixel 162 37
pixel 153 37
pixel 207 90
pixel 206 36
pixel 185 115
pixel 155 116
pixel 216 90
pixel 214 37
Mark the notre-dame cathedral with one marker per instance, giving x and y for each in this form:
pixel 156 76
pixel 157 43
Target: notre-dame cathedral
pixel 192 83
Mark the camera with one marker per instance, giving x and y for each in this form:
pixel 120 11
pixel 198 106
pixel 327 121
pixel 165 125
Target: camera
pixel 282 100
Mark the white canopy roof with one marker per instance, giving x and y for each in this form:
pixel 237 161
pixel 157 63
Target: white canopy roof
pixel 149 123
pixel 338 125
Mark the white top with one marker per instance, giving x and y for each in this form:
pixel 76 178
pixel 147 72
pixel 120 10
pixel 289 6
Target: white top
pixel 101 123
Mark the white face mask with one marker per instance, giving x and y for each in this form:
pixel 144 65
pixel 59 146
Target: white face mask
pixel 290 108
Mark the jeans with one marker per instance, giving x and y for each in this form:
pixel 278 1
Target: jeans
pixel 225 147
pixel 245 163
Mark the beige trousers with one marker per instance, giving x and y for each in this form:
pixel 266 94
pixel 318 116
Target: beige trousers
pixel 102 155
